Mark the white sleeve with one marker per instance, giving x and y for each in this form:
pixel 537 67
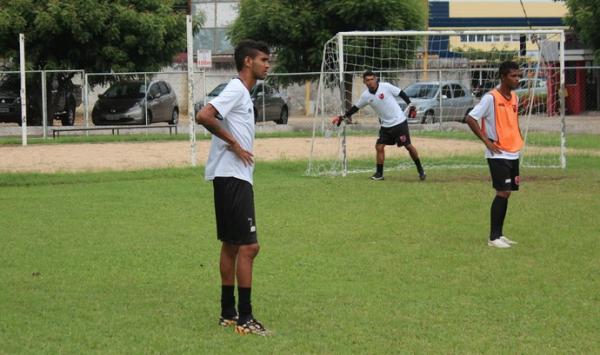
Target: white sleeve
pixel 227 99
pixel 362 101
pixel 395 91
pixel 484 108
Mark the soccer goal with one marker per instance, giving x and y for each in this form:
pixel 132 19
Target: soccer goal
pixel 445 73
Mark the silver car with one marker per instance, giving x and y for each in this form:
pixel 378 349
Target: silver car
pixel 269 104
pixel 435 101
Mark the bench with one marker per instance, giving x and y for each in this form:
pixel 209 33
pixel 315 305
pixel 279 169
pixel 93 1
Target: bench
pixel 57 130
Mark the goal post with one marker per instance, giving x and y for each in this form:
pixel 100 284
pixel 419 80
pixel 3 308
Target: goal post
pixel 445 73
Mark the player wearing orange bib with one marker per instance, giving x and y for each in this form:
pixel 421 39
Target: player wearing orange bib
pixel 499 131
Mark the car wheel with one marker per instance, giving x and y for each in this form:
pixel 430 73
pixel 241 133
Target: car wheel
pixel 69 119
pixel 429 117
pixel 174 117
pixel 283 116
pixel 149 118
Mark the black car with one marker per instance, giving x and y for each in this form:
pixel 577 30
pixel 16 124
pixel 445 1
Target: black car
pixel 62 99
pixel 269 104
pixel 128 102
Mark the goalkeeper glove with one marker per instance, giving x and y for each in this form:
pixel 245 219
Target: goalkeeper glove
pixel 410 111
pixel 337 120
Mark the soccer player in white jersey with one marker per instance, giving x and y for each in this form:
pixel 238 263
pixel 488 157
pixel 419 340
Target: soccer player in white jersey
pixel 394 125
pixel 498 113
pixel 230 119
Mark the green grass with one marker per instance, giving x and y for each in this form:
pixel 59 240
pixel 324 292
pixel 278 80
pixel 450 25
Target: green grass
pixel 127 263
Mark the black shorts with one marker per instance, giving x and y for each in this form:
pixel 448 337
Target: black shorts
pixel 505 174
pixel 397 134
pixel 234 209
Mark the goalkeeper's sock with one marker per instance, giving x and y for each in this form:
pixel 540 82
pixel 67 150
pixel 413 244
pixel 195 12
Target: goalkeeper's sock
pixel 419 166
pixel 228 301
pixel 380 169
pixel 498 212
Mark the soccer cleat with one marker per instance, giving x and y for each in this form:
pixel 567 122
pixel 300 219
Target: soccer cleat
pixel 377 176
pixel 252 326
pixel 507 241
pixel 422 176
pixel 227 322
pixel 498 243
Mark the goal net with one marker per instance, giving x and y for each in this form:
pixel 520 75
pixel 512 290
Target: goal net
pixel 445 74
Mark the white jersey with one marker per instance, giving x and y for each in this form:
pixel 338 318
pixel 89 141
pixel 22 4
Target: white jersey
pixel 235 106
pixel 484 110
pixel 384 103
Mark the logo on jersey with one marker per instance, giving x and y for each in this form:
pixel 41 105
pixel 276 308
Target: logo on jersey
pixel 381 96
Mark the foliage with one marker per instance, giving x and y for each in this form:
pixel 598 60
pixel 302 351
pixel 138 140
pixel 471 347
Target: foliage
pixel 97 36
pixel 299 29
pixel 583 17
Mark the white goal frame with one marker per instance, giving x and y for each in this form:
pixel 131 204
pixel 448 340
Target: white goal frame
pixel 319 120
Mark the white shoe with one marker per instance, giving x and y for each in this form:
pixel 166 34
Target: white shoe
pixel 507 241
pixel 498 243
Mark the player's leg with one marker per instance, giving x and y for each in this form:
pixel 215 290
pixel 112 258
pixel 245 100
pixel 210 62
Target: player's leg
pixel 245 262
pixel 403 139
pixel 380 159
pixel 383 139
pixel 500 169
pixel 244 224
pixel 514 186
pixel 224 203
pixel 227 266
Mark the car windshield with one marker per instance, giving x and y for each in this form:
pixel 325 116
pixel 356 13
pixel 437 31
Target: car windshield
pixel 216 91
pixel 126 90
pixel 421 91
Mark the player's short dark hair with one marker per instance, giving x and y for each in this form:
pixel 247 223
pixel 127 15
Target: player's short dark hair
pixel 248 48
pixel 368 73
pixel 506 67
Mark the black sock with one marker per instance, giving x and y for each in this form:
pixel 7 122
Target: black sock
pixel 380 169
pixel 498 212
pixel 244 304
pixel 228 301
pixel 419 166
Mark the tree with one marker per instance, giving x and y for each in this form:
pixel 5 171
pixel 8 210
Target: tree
pixel 583 17
pixel 298 29
pixel 94 35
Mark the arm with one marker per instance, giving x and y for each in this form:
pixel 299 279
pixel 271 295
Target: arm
pixel 404 97
pixel 207 118
pixel 474 126
pixel 337 120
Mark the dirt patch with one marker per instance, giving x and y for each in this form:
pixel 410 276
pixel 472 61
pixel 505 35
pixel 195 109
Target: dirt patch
pixel 135 156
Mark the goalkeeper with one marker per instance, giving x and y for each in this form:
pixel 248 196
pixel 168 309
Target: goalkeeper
pixel 394 126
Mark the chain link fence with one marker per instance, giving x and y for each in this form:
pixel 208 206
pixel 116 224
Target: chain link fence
pixel 74 98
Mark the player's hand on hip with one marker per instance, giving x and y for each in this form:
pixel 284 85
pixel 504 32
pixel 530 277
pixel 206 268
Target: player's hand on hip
pixel 492 147
pixel 246 157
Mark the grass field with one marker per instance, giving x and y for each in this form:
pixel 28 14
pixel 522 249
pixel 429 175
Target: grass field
pixel 127 263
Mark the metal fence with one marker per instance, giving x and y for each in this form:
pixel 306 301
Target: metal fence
pixel 75 98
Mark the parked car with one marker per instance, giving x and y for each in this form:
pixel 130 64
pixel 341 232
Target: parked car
pixel 62 99
pixel 450 100
pixel 480 89
pixel 269 103
pixel 129 102
pixel 534 90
